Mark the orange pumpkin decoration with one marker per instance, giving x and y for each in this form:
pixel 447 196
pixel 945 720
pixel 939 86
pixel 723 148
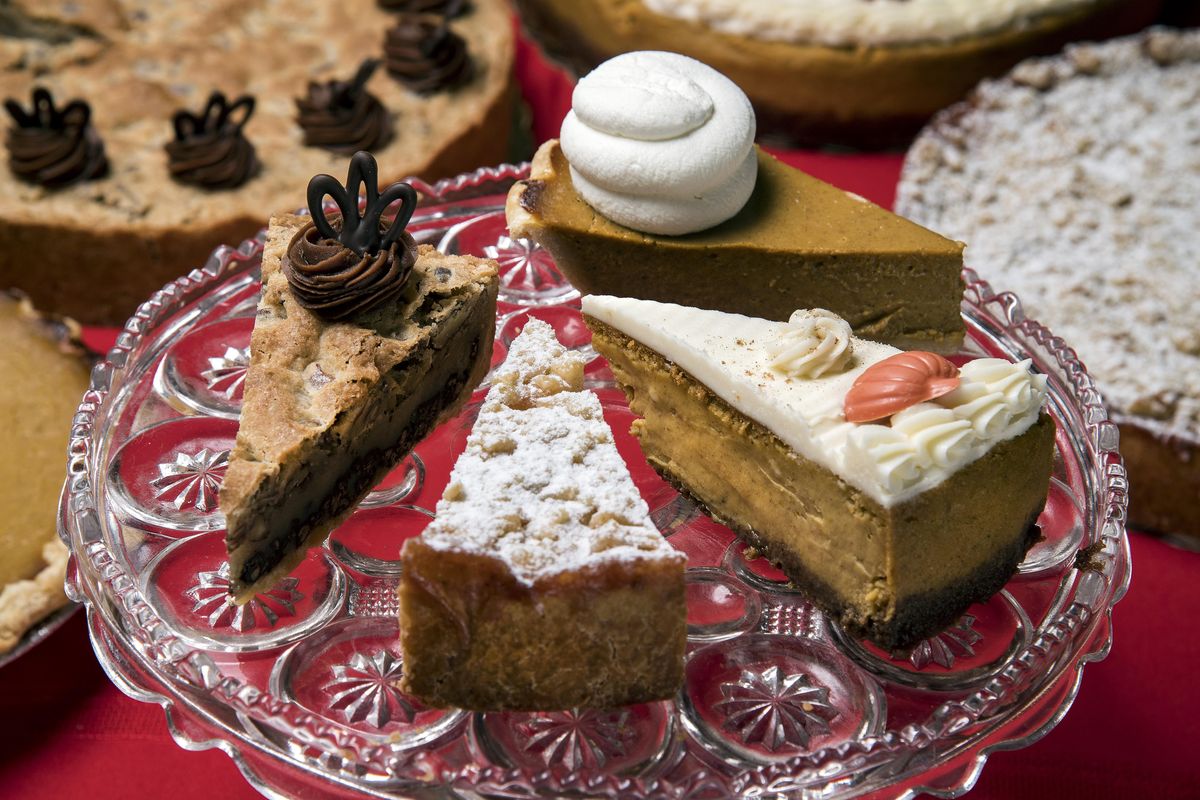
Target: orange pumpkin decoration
pixel 898 382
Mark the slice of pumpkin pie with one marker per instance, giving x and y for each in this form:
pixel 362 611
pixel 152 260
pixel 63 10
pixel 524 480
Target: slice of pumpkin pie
pixel 542 583
pixel 893 488
pixel 656 190
pixel 363 343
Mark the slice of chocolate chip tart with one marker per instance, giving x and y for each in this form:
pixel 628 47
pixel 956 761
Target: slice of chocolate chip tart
pixel 363 343
pixel 894 489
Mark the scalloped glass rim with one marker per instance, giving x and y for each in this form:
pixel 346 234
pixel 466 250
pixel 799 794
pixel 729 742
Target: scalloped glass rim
pixel 1019 705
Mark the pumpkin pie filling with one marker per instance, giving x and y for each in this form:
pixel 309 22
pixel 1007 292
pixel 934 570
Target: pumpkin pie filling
pixel 798 241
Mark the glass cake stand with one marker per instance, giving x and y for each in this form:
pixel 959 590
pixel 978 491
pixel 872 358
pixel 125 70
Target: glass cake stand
pixel 297 686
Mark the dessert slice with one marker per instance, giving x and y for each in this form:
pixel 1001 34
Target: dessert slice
pixel 344 380
pixel 894 522
pixel 797 241
pixel 541 583
pixel 46 374
pixel 657 191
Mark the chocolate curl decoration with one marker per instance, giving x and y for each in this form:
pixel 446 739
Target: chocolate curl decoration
pixel 447 8
pixel 210 149
pixel 898 382
pixel 425 55
pixel 343 116
pixel 54 147
pixel 343 270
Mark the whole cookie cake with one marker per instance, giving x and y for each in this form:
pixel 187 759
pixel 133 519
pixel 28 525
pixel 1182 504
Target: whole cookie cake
pixel 1075 181
pixel 141 135
pixel 865 72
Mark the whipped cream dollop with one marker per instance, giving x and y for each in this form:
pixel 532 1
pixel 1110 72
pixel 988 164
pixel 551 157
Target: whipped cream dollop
pixel 816 343
pixel 661 143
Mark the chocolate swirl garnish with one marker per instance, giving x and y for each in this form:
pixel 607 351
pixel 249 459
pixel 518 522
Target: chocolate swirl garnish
pixel 51 146
pixel 209 149
pixel 425 55
pixel 349 265
pixel 447 8
pixel 343 116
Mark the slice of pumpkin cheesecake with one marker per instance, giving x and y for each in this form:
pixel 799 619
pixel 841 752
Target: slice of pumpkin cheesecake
pixel 893 488
pixel 363 343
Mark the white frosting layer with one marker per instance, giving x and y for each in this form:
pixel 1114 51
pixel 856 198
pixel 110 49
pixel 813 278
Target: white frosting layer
pixel 661 143
pixel 541 485
pixel 925 444
pixel 850 22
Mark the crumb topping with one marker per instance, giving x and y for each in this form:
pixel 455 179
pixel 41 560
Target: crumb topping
pixel 1074 182
pixel 541 485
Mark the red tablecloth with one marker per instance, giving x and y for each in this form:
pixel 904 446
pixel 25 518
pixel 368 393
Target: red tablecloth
pixel 66 732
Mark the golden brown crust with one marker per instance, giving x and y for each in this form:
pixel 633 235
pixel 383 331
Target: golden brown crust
pixel 334 406
pixel 24 603
pixel 474 637
pixel 103 246
pixel 865 95
pixel 1166 473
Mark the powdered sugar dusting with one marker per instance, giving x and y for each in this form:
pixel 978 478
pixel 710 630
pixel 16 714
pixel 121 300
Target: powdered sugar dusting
pixel 1076 183
pixel 541 485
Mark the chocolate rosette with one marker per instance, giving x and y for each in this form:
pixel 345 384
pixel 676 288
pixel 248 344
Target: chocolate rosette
pixel 342 116
pixel 333 281
pixel 53 147
pixel 425 55
pixel 209 149
pixel 348 264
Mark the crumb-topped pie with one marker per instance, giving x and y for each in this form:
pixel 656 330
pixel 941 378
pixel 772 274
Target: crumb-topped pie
pixel 542 583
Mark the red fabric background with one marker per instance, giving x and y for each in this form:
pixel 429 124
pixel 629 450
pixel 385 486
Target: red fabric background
pixel 66 732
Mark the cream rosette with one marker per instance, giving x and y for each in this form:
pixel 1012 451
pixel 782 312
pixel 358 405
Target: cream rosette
pixel 815 343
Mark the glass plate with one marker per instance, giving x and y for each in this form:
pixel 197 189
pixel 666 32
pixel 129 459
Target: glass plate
pixel 297 685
